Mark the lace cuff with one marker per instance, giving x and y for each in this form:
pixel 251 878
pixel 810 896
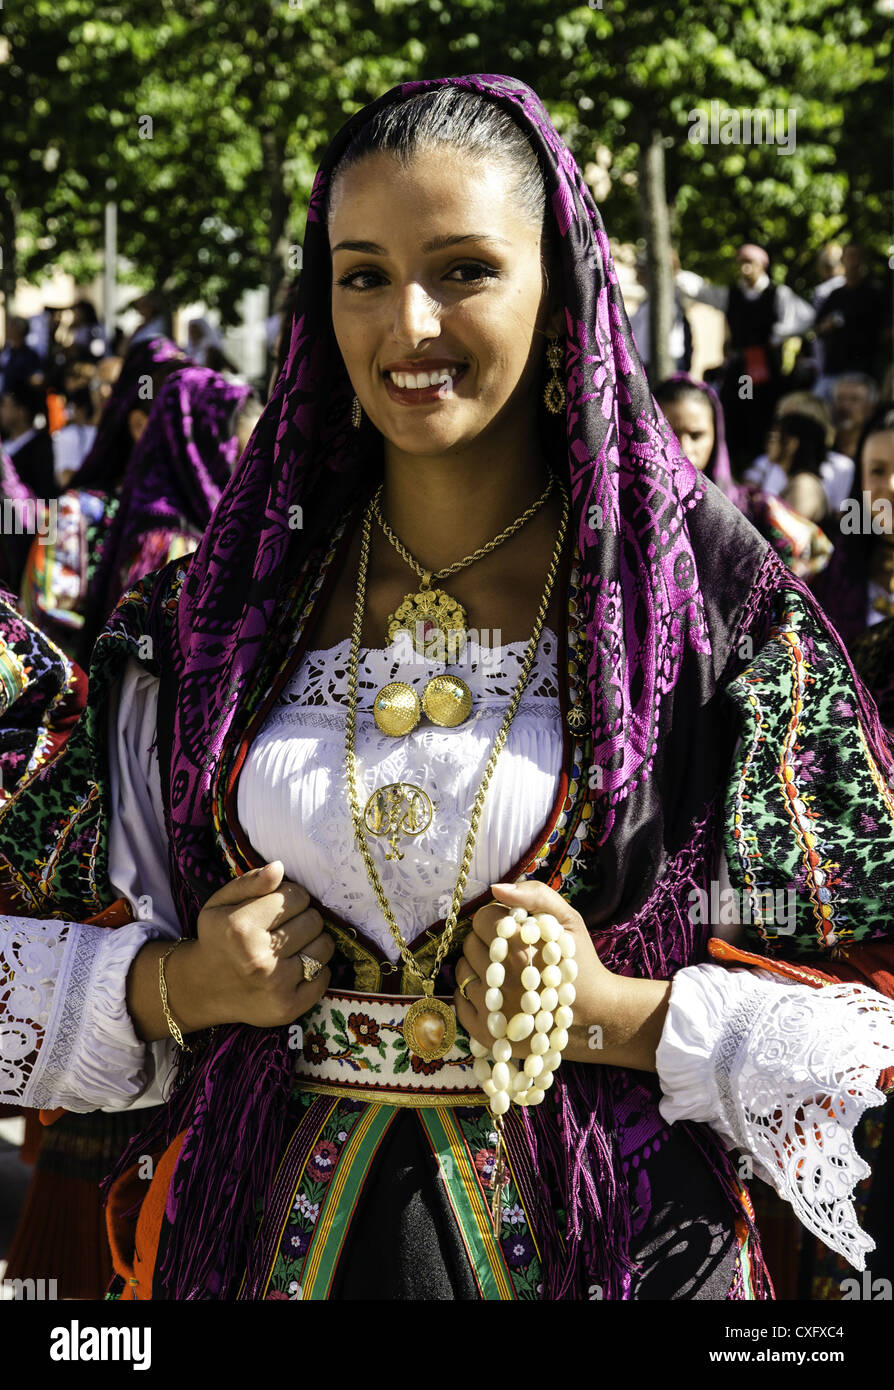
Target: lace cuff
pixel 65 997
pixel 784 1073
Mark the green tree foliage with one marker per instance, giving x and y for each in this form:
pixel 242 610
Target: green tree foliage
pixel 204 119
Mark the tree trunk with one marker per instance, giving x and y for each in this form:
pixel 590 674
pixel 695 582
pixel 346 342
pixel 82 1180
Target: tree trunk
pixel 274 154
pixel 658 253
pixel 8 269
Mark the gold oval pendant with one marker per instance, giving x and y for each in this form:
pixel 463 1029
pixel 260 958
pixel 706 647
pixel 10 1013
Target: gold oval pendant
pixel 396 708
pixel 447 701
pixel 430 1028
pixel 434 622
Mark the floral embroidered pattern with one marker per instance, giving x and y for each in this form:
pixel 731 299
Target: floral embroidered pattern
pixel 516 1239
pixel 347 1046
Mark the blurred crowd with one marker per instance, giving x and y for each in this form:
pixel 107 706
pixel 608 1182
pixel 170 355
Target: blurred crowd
pixel 113 455
pixel 129 443
pixel 796 426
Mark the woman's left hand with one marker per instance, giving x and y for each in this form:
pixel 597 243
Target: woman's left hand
pixel 617 1020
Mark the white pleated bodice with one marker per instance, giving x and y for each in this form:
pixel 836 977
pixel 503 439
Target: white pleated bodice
pixel 292 797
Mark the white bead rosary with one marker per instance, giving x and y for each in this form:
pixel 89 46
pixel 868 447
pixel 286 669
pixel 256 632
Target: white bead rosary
pixel 545 1016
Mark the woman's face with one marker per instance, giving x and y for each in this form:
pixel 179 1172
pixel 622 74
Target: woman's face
pixel 692 421
pixel 402 297
pixel 781 447
pixel 878 474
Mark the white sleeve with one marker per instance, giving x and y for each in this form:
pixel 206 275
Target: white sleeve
pixel 794 316
pixel 783 1073
pixel 66 1038
pixel 694 287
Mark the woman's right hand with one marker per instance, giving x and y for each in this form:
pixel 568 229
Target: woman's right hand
pixel 244 966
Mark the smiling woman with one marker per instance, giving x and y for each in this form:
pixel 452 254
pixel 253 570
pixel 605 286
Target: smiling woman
pixel 423 305
pixel 413 1090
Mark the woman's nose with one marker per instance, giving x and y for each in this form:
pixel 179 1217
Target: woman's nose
pixel 416 314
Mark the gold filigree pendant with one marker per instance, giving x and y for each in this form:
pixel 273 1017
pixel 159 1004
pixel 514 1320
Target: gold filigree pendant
pixel 435 623
pixel 430 1028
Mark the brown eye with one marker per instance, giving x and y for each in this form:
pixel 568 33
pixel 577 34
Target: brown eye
pixel 482 271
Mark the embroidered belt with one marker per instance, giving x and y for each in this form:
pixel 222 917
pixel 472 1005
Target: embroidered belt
pixel 352 1044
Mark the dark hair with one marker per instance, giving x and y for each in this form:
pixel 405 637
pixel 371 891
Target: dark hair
pixel 465 121
pixel 87 310
pixel 811 439
pixel 160 373
pixel 670 392
pixel 81 399
pixel 33 399
pixel 882 420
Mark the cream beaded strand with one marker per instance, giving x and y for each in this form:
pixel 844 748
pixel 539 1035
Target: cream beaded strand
pixel 545 1017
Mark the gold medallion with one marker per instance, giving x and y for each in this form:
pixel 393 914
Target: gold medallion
pixel 447 701
pixel 430 1028
pixel 435 622
pixel 396 708
pixel 400 808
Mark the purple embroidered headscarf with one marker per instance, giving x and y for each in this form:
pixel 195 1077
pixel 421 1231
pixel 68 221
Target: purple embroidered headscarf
pixel 671 576
pixel 13 545
pixel 174 480
pixel 104 465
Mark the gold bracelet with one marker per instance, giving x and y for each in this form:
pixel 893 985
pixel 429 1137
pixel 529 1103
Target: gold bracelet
pixel 175 1032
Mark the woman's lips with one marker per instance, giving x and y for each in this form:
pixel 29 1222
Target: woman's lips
pixel 426 394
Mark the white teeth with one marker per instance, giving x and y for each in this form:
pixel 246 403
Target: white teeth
pixel 417 382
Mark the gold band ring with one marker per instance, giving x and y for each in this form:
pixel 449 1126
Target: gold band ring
pixel 467 981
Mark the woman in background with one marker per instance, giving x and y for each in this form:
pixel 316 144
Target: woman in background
pixel 695 414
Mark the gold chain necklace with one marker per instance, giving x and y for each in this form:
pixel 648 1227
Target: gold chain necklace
pixel 430 1026
pixel 434 619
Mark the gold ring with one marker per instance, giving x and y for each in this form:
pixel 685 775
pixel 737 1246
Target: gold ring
pixel 467 981
pixel 312 967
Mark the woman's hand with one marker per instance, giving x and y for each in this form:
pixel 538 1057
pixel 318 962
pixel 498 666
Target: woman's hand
pixel 244 966
pixel 617 1020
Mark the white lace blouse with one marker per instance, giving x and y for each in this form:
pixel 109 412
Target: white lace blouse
pixel 292 797
pixel 758 1060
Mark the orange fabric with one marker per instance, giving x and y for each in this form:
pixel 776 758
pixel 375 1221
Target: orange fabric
pixel 61 1233
pixel 134 1244
pixel 31 1143
pixel 726 954
pixel 56 416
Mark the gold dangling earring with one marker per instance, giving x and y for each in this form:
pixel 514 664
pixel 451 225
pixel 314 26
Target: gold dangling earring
pixel 554 392
pixel 356 413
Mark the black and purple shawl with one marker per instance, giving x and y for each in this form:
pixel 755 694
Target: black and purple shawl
pixel 673 579
pixel 174 480
pixel 14 542
pixel 104 465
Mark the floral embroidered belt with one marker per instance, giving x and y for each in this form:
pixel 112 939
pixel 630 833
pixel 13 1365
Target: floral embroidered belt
pixel 354 1044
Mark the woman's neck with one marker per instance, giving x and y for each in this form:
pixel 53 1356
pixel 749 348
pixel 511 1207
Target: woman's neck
pixel 431 504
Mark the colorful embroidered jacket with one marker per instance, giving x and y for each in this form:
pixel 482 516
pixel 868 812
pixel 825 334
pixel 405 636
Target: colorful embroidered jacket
pixel 805 812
